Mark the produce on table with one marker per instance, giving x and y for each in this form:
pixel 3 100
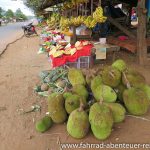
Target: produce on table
pixel 78 123
pixel 56 108
pixel 107 105
pixel 44 124
pixel 101 120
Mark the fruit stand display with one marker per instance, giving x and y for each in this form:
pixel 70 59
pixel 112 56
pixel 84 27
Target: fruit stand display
pixel 61 52
pixel 93 99
pixel 89 99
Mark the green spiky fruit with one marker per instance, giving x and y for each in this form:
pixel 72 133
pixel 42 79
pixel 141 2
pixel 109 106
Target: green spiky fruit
pixel 136 101
pixel 105 93
pixel 78 124
pixel 120 65
pixel 75 76
pixel 101 120
pixel 88 80
pixel 52 95
pixel 44 124
pixel 72 102
pixel 146 89
pixel 135 78
pixel 119 91
pixel 66 95
pixel 96 82
pixel 80 90
pixel 111 76
pixel 56 108
pixel 118 111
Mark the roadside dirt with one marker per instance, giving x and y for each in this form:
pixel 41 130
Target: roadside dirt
pixel 19 69
pixel 5 40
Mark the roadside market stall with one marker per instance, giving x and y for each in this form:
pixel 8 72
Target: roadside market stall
pixel 89 98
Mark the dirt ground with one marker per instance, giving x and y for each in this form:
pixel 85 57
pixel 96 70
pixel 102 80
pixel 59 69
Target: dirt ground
pixel 19 69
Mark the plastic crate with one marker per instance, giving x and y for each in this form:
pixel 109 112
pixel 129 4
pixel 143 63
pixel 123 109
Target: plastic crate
pixel 82 62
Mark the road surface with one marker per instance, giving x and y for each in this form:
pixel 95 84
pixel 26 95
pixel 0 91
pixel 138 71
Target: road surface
pixel 10 33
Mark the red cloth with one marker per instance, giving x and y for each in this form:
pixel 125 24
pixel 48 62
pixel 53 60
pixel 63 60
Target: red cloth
pixel 59 61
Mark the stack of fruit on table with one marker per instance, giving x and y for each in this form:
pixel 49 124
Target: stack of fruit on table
pixel 60 50
pixel 49 39
pixel 98 99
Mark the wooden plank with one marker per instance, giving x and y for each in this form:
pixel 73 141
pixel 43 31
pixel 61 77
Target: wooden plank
pixel 141 34
pixel 123 29
pixel 91 7
pixel 74 37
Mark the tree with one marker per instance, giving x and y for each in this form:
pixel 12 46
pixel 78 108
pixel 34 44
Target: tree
pixel 19 14
pixel 9 13
pixel 1 12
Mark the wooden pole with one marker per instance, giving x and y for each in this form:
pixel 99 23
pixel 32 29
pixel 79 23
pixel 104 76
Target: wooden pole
pixel 141 33
pixel 91 7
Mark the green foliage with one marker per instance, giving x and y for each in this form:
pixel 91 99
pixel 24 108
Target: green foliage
pixel 1 10
pixel 9 13
pixel 19 14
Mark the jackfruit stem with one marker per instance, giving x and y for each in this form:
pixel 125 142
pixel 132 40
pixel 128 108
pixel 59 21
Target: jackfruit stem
pixel 81 108
pixel 111 74
pixel 126 80
pixel 101 101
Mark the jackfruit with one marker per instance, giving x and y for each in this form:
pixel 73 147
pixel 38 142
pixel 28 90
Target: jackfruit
pixel 80 90
pixel 101 120
pixel 44 124
pixel 120 65
pixel 96 82
pixel 105 93
pixel 78 124
pixel 56 108
pixel 88 80
pixel 75 76
pixel 111 76
pixel 72 102
pixel 136 101
pixel 146 89
pixel 135 78
pixel 66 95
pixel 118 111
pixel 119 91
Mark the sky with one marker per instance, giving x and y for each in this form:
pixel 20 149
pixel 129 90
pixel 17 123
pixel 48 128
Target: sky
pixel 14 5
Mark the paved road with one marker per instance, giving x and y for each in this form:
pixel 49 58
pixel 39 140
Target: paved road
pixel 9 33
pixel 7 30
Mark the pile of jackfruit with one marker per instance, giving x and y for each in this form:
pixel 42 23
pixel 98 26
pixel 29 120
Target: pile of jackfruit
pixel 98 99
